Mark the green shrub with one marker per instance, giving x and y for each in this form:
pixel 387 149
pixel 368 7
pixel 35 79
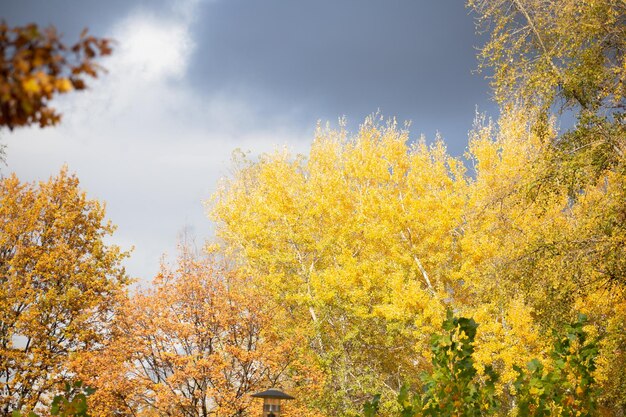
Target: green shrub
pixel 453 388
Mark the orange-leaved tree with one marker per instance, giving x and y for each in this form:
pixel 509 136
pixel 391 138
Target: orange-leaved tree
pixel 58 281
pixel 35 66
pixel 195 344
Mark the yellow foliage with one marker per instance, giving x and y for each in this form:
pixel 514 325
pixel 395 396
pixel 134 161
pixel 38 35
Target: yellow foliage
pixel 59 284
pixel 197 343
pixel 364 243
pixel 346 241
pixel 36 66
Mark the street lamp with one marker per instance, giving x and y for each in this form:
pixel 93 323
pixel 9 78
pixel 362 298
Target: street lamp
pixel 271 401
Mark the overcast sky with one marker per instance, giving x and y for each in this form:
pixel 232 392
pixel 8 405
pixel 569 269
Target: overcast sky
pixel 191 80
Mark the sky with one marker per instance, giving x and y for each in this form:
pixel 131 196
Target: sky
pixel 190 81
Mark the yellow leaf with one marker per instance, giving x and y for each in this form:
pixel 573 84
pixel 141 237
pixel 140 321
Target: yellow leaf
pixel 63 85
pixel 31 86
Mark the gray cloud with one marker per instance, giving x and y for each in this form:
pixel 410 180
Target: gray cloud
pixel 71 16
pixel 412 59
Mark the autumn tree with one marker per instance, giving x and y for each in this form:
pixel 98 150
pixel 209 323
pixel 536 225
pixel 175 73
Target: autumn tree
pixel 355 242
pixel 59 279
pixel 533 255
pixel 196 343
pixel 560 223
pixel 35 66
pixel 568 55
pixel 542 51
pixel 365 243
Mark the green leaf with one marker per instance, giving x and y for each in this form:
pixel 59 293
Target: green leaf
pixel 370 408
pixel 534 365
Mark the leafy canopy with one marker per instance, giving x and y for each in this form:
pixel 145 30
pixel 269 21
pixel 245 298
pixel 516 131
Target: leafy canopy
pixel 59 282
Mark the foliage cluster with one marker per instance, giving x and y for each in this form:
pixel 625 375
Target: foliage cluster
pixel 196 343
pixel 72 403
pixel 565 56
pixel 543 51
pixel 453 388
pixel 59 284
pixel 568 389
pixel 35 66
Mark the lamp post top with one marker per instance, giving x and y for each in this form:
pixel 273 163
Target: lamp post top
pixel 273 393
